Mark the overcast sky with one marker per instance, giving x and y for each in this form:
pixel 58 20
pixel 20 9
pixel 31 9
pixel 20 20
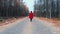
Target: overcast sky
pixel 29 4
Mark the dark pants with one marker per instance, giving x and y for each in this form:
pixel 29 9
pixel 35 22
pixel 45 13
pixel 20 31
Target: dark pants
pixel 31 19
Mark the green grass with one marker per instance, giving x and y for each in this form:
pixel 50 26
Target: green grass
pixel 1 20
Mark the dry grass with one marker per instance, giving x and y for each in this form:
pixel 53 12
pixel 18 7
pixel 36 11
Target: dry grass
pixel 9 20
pixel 51 20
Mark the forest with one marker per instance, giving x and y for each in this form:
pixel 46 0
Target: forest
pixel 13 8
pixel 47 8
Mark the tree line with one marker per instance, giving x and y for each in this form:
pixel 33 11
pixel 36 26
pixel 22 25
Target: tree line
pixel 47 8
pixel 12 8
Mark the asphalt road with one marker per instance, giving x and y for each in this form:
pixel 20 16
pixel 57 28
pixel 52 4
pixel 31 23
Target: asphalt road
pixel 24 26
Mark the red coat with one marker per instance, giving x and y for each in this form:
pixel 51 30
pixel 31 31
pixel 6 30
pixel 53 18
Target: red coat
pixel 31 15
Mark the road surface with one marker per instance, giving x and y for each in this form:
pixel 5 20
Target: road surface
pixel 24 26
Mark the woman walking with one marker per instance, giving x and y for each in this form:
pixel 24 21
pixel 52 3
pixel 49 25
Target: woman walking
pixel 31 16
